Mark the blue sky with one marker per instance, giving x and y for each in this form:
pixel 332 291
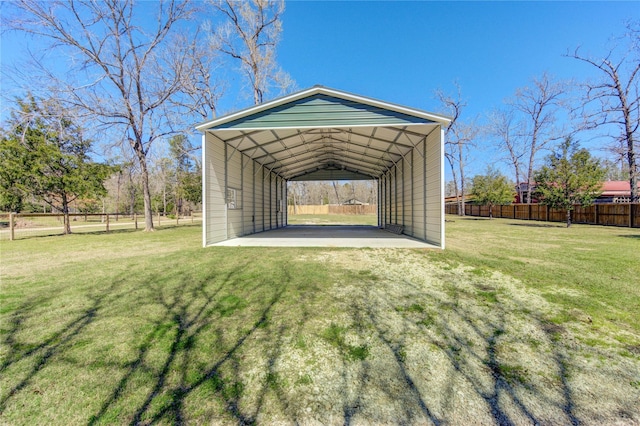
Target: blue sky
pixel 401 52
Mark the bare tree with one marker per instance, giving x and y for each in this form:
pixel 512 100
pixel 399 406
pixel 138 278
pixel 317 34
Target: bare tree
pixel 459 137
pixel 503 127
pixel 250 36
pixel 201 85
pixel 125 75
pixel 539 103
pixel 335 185
pixel 615 99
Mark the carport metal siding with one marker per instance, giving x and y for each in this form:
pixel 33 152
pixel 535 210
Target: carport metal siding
pixel 322 134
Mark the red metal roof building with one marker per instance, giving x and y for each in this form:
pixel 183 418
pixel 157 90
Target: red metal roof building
pixel 613 191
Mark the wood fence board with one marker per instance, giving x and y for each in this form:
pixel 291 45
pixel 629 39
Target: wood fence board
pixel 618 214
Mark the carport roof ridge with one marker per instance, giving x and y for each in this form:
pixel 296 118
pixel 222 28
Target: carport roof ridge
pixel 320 106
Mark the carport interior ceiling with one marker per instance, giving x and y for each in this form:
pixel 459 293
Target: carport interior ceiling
pixel 324 134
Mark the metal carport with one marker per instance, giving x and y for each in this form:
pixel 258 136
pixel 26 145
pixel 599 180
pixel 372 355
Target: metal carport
pixel 322 134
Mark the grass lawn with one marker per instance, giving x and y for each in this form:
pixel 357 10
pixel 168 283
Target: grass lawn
pixel 332 219
pixel 515 323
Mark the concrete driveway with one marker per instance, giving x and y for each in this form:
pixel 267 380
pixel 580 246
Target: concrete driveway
pixel 327 236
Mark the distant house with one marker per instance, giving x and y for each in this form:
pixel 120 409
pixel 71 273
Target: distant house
pixel 354 202
pixel 454 200
pixel 616 191
pixel 613 191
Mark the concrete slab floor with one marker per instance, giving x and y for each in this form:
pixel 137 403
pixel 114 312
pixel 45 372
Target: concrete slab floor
pixel 326 236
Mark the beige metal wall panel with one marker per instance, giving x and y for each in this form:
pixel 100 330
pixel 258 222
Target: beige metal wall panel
pixel 392 197
pixel 279 204
pixel 399 177
pixel 271 217
pixel 234 182
pixel 387 199
pixel 259 193
pixel 418 203
pixel 216 229
pixel 234 219
pixel 407 182
pixel 247 195
pixel 434 189
pixel 407 195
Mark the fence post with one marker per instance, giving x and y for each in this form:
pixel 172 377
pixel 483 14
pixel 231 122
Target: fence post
pixel 107 222
pixel 12 226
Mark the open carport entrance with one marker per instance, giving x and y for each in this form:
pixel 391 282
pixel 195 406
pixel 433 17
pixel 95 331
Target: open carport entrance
pixel 317 134
pixel 332 202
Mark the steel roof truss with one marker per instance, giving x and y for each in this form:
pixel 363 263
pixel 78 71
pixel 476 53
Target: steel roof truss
pixel 337 160
pixel 320 151
pixel 331 160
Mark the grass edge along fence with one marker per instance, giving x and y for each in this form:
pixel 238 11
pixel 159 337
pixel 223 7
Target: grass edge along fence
pixel 24 225
pixel 607 214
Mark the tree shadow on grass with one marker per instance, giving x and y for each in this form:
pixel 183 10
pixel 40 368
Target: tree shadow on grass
pixel 539 225
pixel 235 343
pixel 190 313
pixel 471 338
pixel 470 345
pixel 635 237
pixel 40 354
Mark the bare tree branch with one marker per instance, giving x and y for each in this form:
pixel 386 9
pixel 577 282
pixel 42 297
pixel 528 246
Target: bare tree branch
pixel 615 99
pixel 138 80
pixel 250 35
pixel 460 136
pixel 539 104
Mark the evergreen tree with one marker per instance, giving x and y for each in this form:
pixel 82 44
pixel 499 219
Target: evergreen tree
pixel 571 176
pixel 45 155
pixel 187 181
pixel 492 189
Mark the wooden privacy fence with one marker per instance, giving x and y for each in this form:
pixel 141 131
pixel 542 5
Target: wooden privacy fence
pixel 333 209
pixel 23 225
pixel 597 214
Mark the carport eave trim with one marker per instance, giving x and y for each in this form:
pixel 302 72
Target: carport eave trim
pixel 399 127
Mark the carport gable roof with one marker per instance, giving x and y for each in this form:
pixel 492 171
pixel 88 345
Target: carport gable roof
pixel 322 133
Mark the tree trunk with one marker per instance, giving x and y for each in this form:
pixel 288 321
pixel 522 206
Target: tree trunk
pixel 335 188
pixel 459 202
pixel 633 172
pixel 490 211
pixel 164 200
pixel 530 175
pixel 65 211
pixel 295 204
pixel 568 217
pixel 461 166
pixel 628 134
pixel 118 194
pixel 146 193
pixel 518 184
